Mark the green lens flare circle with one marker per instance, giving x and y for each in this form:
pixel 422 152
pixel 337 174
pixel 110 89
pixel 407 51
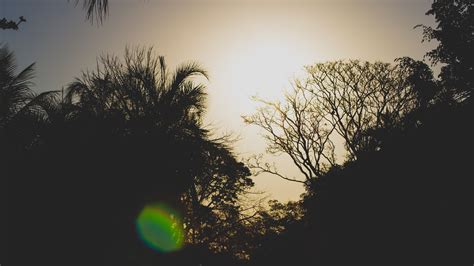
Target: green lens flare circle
pixel 160 228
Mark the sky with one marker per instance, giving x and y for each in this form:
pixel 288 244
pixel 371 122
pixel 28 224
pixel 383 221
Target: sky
pixel 249 47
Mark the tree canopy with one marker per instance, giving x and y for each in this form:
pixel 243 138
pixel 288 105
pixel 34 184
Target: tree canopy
pixel 132 132
pixel 119 162
pixel 345 100
pixel 454 32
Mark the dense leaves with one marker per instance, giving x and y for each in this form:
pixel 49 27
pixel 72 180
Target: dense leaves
pixel 118 138
pixel 346 100
pixel 6 24
pixel 455 34
pixel 80 164
pixel 410 199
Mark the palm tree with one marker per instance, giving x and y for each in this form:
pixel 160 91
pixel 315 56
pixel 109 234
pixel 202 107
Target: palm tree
pixel 154 114
pixel 15 91
pixel 140 89
pixel 130 130
pixel 22 111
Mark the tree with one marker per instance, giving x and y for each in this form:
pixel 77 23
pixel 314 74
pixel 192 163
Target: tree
pixel 16 103
pixel 386 205
pixel 139 89
pixel 10 24
pixel 419 77
pixel 141 92
pixel 15 89
pixel 213 200
pixel 132 131
pixel 339 99
pixel 297 128
pixel 407 195
pixel 454 31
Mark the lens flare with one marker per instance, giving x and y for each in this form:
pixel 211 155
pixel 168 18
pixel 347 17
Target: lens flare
pixel 160 228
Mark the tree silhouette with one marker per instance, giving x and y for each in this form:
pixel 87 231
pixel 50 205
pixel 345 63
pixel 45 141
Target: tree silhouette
pixel 392 201
pixel 15 89
pixel 213 200
pixel 297 128
pixel 454 33
pixel 10 24
pixel 140 89
pixel 408 199
pixel 122 136
pixel 80 164
pixel 345 99
pixel 17 104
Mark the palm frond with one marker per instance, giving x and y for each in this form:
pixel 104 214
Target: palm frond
pixel 7 66
pixel 22 81
pixel 192 98
pixel 15 89
pixel 96 10
pixel 44 105
pixel 139 88
pixel 186 71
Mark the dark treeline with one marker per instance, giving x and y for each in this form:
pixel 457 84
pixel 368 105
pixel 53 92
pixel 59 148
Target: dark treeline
pixel 80 164
pixel 404 193
pixel 83 162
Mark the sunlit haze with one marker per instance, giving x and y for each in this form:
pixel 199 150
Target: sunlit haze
pixel 249 48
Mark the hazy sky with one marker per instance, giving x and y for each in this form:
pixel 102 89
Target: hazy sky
pixel 249 47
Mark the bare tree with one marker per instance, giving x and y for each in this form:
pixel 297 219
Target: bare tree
pixel 297 127
pixel 360 96
pixel 342 99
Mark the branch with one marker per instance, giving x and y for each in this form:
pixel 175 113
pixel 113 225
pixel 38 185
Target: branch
pixel 265 168
pixel 10 24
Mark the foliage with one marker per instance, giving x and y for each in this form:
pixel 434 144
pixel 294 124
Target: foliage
pixel 15 89
pixel 10 24
pixel 80 164
pixel 140 89
pixel 213 205
pixel 407 202
pixel 345 100
pixel 404 194
pixel 118 138
pixel 454 32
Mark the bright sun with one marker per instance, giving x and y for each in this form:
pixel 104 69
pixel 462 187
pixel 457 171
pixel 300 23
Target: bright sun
pixel 268 64
pixel 262 65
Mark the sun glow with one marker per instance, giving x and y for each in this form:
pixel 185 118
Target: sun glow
pixel 268 64
pixel 257 65
pixel 262 64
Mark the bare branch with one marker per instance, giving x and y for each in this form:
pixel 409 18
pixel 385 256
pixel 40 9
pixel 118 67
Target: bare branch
pixel 345 98
pixel 259 167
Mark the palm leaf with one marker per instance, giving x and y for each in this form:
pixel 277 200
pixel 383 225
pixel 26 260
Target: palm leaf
pixel 96 10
